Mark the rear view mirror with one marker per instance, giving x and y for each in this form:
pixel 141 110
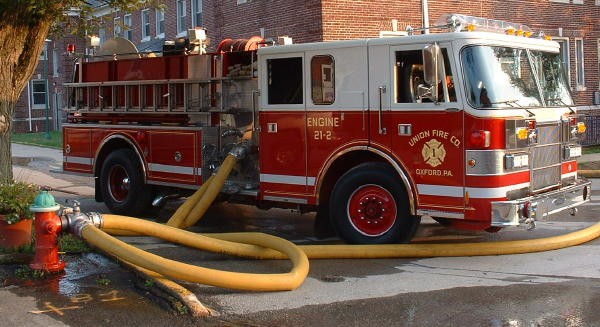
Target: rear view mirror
pixel 431 55
pixel 432 61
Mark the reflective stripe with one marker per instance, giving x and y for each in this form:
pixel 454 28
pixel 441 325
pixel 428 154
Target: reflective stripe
pixel 287 179
pixel 440 190
pixel 474 192
pixel 288 200
pixel 78 160
pixel 172 169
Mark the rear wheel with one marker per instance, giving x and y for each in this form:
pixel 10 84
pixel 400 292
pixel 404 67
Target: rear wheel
pixel 369 205
pixel 122 184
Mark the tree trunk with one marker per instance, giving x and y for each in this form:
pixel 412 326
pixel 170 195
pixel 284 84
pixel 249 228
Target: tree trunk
pixel 20 47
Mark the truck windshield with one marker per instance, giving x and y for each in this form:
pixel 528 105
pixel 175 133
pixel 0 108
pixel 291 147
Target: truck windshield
pixel 504 77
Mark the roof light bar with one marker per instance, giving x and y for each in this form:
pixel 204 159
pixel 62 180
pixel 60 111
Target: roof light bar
pixel 459 22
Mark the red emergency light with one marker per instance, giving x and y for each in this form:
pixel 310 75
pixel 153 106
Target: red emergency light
pixel 71 48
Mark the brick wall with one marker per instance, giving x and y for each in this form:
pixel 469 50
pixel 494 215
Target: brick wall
pixel 326 20
pixel 300 20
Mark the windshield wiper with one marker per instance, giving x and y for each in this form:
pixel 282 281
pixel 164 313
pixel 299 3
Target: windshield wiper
pixel 563 103
pixel 514 104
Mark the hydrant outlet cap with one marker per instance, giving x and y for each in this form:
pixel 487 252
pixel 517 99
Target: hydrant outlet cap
pixel 44 202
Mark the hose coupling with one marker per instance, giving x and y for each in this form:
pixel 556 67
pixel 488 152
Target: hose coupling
pixel 240 151
pixel 232 132
pixel 76 223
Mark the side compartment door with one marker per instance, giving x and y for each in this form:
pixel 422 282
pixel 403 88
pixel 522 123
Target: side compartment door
pixel 427 132
pixel 77 152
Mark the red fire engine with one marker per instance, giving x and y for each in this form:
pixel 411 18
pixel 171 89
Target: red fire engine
pixel 469 126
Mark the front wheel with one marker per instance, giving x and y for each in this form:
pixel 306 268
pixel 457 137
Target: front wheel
pixel 369 205
pixel 122 184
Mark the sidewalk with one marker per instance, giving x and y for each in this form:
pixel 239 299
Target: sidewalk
pixel 43 166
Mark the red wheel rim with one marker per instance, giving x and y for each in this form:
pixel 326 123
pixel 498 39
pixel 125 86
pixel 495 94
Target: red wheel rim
pixel 118 180
pixel 372 210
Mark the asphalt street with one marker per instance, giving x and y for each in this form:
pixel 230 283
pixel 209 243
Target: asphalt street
pixel 553 288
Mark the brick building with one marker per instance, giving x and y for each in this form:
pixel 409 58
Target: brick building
pixel 573 23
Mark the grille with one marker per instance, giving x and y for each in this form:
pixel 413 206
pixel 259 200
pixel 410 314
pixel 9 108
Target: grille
pixel 545 157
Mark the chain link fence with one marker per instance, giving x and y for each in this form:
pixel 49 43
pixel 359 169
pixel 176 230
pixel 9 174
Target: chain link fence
pixel 592 122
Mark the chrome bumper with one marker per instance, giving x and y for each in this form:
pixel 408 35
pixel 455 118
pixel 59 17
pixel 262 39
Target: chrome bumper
pixel 526 210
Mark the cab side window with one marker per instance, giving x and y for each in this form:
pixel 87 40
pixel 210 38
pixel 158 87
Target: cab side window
pixel 409 76
pixel 285 80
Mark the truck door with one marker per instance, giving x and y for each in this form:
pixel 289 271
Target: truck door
pixel 283 127
pixel 424 132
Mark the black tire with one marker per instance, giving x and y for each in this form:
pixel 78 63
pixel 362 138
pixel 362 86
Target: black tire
pixel 122 184
pixel 369 205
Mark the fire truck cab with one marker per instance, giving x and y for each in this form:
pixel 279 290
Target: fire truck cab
pixel 475 129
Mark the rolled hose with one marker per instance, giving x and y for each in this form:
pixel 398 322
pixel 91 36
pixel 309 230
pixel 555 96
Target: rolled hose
pixel 263 246
pixel 256 245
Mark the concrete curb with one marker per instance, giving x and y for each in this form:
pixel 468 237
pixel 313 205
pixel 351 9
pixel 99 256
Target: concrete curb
pixel 589 173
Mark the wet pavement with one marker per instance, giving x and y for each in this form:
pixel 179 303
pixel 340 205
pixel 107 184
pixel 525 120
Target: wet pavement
pixel 554 288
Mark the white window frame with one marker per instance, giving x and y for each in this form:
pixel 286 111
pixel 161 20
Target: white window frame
pixel 160 18
pixel 567 60
pixel 44 54
pixel 181 18
pixel 35 105
pixel 102 35
pixel 145 19
pixel 579 73
pixel 196 10
pixel 55 63
pixel 128 31
pixel 117 28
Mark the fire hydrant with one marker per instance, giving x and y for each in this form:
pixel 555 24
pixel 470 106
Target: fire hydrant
pixel 48 226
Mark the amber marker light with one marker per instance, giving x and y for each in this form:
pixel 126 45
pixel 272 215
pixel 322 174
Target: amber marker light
pixel 522 133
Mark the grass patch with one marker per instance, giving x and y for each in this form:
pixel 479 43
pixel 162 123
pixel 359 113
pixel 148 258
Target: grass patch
pixel 70 243
pixel 591 149
pixel 40 139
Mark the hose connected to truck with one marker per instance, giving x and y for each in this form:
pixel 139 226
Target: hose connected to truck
pixel 95 229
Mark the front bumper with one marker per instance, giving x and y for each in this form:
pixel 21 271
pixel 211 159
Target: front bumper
pixel 521 211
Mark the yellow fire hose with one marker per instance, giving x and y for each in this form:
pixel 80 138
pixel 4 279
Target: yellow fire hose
pixel 263 246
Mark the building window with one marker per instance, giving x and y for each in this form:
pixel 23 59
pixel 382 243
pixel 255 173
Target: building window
pixel 160 23
pixel 55 57
pixel 181 15
pixel 38 94
pixel 102 35
pixel 197 13
pixel 127 25
pixel 239 2
pixel 564 56
pixel 118 28
pixel 579 65
pixel 145 25
pixel 44 54
pixel 322 71
pixel 285 80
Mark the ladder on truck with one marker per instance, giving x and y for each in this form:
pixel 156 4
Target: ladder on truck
pixel 159 101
